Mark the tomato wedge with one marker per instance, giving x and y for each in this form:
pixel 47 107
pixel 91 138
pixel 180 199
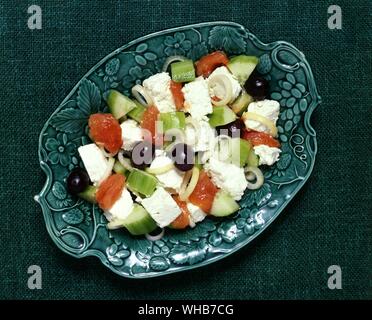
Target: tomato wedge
pixel 150 116
pixel 105 130
pixel 110 191
pixel 257 138
pixel 183 220
pixel 176 89
pixel 204 192
pixel 206 65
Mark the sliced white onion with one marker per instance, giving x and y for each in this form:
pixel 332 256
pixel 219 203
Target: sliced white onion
pixel 142 96
pixel 192 184
pixel 250 176
pixel 124 162
pixel 170 60
pixel 160 170
pixel 110 166
pixel 258 175
pixel 219 79
pixel 155 238
pixel 185 182
pixel 266 122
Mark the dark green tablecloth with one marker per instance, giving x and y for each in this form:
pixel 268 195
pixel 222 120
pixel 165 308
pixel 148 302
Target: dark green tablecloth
pixel 329 221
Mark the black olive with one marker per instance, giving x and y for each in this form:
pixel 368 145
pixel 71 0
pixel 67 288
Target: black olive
pixel 183 157
pixel 127 154
pixel 142 155
pixel 257 86
pixel 233 129
pixel 77 181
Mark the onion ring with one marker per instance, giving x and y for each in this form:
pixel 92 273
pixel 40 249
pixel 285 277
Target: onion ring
pixel 155 238
pixel 160 170
pixel 191 185
pixel 221 78
pixel 258 175
pixel 170 60
pixel 124 162
pixel 266 122
pixel 142 96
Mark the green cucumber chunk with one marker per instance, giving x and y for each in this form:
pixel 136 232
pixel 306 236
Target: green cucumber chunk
pixel 89 194
pixel 183 71
pixel 241 103
pixel 137 113
pixel 223 205
pixel 252 160
pixel 119 105
pixel 118 167
pixel 172 120
pixel 221 115
pixel 139 221
pixel 142 182
pixel 242 66
pixel 235 151
pixel 240 150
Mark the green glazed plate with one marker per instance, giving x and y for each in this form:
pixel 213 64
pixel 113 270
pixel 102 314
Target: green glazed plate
pixel 78 228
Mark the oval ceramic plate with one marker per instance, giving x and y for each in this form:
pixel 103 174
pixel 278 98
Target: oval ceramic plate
pixel 78 228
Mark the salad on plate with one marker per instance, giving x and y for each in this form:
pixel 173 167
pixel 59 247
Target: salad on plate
pixel 188 144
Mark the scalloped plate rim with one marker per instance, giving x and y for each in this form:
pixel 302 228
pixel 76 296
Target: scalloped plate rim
pixel 39 198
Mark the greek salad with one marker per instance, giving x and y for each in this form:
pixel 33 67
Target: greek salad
pixel 188 143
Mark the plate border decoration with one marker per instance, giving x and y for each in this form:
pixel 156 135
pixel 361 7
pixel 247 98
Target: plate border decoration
pixel 78 228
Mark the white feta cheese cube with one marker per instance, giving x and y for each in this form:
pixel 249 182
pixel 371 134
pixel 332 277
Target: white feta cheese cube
pixel 196 214
pixel 227 177
pixel 267 155
pixel 94 161
pixel 131 134
pixel 197 100
pixel 266 108
pixel 170 179
pixel 123 206
pixel 200 136
pixel 218 91
pixel 161 207
pixel 158 87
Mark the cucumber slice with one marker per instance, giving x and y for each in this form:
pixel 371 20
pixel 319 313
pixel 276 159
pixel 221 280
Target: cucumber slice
pixel 221 115
pixel 235 151
pixel 242 66
pixel 252 160
pixel 118 168
pixel 241 103
pixel 173 120
pixel 142 182
pixel 223 205
pixel 89 194
pixel 137 113
pixel 183 71
pixel 119 105
pixel 139 221
pixel 240 150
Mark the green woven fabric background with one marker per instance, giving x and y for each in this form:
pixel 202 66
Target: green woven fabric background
pixel 328 222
